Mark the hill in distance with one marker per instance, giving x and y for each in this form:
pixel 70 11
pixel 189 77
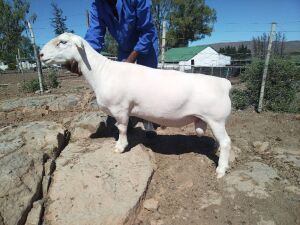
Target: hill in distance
pixel 290 46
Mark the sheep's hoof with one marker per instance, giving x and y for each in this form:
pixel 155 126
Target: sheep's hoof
pixel 220 172
pixel 118 150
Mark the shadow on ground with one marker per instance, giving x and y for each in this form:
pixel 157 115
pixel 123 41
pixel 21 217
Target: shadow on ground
pixel 162 144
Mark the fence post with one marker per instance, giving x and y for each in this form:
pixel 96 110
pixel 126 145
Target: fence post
pixel 36 54
pixel 20 62
pixel 163 44
pixel 264 77
pixel 87 14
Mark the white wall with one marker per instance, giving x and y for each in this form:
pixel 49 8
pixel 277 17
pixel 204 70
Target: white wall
pixel 3 66
pixel 169 66
pixel 27 65
pixel 207 58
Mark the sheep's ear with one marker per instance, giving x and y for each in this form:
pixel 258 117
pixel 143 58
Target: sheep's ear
pixel 77 41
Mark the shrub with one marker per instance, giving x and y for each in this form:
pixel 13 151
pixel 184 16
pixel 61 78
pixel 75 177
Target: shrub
pixel 281 87
pixel 52 79
pixel 31 86
pixel 240 99
pixel 12 66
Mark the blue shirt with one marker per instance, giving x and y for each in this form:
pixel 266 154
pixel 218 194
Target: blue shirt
pixel 133 29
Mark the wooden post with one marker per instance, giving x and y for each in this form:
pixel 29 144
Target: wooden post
pixel 227 73
pixel 17 61
pixel 264 77
pixel 163 44
pixel 20 62
pixel 87 18
pixel 36 54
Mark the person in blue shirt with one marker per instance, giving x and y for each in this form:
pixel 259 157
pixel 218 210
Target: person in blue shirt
pixel 130 24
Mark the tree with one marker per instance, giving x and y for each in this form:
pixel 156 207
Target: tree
pixel 26 48
pixel 229 51
pixel 58 22
pixel 260 45
pixel 12 18
pixel 238 55
pixel 243 52
pixel 161 11
pixel 189 20
pixel 111 45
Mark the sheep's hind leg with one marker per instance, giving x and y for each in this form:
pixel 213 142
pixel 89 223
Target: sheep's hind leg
pixel 200 127
pixel 122 141
pixel 219 131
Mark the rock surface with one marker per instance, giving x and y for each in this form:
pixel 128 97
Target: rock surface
pixel 23 150
pixel 210 198
pixel 89 101
pixel 93 185
pixel 291 156
pixel 261 147
pixel 151 204
pixel 251 181
pixel 49 102
pixel 34 216
pixel 85 124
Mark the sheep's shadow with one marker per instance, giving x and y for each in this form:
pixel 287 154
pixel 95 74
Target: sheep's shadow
pixel 164 144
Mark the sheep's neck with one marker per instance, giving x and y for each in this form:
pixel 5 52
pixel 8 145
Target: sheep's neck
pixel 92 65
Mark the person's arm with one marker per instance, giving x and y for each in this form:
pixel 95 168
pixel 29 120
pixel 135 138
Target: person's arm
pixel 94 36
pixel 145 26
pixel 132 57
pixel 96 32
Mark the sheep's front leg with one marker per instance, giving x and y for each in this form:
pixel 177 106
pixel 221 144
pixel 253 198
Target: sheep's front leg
pixel 122 141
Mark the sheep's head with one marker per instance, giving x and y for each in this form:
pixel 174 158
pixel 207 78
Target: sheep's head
pixel 62 49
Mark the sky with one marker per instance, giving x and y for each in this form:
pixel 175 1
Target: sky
pixel 237 20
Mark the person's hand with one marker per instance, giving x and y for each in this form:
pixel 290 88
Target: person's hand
pixel 72 66
pixel 132 57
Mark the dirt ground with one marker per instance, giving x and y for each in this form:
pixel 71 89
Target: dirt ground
pixel 185 184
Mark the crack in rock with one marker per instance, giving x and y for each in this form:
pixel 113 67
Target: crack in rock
pixel 22 170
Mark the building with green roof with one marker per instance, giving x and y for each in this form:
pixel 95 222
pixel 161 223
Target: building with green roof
pixel 197 56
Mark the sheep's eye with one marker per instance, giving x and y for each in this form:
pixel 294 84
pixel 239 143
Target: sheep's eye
pixel 63 42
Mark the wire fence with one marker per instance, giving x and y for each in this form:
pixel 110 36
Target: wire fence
pixel 236 66
pixel 218 71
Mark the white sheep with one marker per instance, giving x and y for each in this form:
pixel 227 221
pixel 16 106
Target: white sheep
pixel 174 99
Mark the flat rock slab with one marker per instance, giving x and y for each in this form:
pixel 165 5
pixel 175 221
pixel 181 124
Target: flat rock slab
pixel 252 181
pixel 22 153
pixel 93 185
pixel 86 123
pixel 51 102
pixel 286 155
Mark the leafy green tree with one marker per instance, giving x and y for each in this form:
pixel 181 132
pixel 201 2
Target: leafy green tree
pixel 111 45
pixel 12 24
pixel 26 48
pixel 229 51
pixel 243 52
pixel 58 22
pixel 238 55
pixel 189 20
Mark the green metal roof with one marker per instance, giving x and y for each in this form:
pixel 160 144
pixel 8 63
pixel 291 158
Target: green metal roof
pixel 182 54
